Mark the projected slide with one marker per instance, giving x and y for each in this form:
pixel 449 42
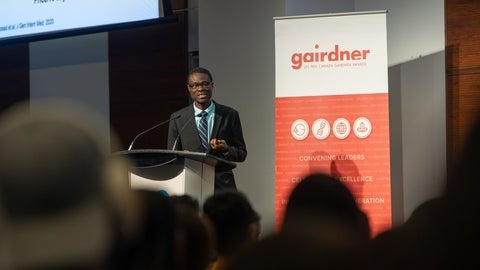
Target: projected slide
pixel 20 18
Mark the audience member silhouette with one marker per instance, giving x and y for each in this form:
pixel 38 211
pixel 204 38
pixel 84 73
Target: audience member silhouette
pixel 323 228
pixel 56 211
pixel 299 251
pixel 386 250
pixel 463 199
pixel 194 235
pixel 323 206
pixel 420 243
pixel 426 228
pixel 159 232
pixel 185 202
pixel 442 232
pixel 149 241
pixel 236 224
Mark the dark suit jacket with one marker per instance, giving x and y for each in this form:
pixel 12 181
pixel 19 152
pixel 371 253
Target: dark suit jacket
pixel 183 133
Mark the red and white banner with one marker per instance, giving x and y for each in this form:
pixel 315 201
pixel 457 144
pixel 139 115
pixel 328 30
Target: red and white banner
pixel 331 107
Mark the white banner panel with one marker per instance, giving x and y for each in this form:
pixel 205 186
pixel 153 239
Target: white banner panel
pixel 331 99
pixel 330 55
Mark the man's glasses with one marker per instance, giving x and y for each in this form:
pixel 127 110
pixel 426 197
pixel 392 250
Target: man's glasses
pixel 197 85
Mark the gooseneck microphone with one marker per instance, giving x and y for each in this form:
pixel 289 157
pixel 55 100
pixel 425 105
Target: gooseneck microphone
pixel 147 130
pixel 183 127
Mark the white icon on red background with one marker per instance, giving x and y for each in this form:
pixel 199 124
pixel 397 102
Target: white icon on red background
pixel 362 128
pixel 341 128
pixel 299 129
pixel 321 129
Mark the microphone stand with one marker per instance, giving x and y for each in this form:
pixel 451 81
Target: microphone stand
pixel 147 130
pixel 181 130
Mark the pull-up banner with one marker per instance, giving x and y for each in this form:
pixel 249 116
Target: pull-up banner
pixel 331 107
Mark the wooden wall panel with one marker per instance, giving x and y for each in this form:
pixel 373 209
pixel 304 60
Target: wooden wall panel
pixel 462 35
pixel 148 68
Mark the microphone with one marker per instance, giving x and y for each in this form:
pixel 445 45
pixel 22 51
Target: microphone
pixel 147 130
pixel 183 127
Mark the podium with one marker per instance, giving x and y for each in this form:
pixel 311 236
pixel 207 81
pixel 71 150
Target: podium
pixel 174 172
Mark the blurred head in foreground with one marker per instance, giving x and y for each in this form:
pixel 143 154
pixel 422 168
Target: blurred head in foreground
pixel 53 166
pixel 235 223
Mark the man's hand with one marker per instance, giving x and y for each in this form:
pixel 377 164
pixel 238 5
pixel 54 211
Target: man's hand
pixel 219 145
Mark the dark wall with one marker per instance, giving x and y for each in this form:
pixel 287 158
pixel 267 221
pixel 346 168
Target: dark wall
pixel 148 69
pixel 14 74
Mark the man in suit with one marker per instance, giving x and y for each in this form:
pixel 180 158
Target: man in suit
pixel 223 136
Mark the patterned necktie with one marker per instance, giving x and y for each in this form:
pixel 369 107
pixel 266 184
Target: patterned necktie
pixel 203 130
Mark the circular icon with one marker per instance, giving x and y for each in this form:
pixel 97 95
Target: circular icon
pixel 299 129
pixel 362 127
pixel 341 128
pixel 321 129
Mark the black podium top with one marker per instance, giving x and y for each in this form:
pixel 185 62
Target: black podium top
pixel 156 157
